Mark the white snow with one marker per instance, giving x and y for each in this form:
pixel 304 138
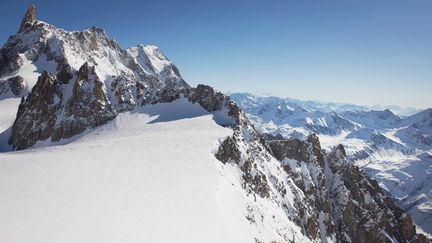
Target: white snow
pixel 150 58
pixel 8 110
pixel 144 177
pixel 158 60
pixel 28 71
pixel 351 145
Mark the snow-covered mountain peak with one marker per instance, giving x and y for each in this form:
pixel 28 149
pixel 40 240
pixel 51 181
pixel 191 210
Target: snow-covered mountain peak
pixel 39 46
pixel 129 128
pixel 150 58
pixel 154 62
pixel 121 79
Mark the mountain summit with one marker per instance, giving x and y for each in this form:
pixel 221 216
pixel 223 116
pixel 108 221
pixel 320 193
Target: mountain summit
pixel 77 74
pixel 29 18
pixel 143 157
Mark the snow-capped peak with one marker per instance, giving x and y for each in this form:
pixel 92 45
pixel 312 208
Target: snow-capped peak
pixel 279 190
pixel 158 60
pixel 39 46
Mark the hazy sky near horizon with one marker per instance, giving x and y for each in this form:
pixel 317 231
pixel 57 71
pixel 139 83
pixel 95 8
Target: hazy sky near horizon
pixel 356 51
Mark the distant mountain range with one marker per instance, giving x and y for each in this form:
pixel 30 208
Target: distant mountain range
pixel 394 150
pixel 316 105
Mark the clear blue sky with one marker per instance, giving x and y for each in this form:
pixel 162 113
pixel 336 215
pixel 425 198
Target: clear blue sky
pixel 359 51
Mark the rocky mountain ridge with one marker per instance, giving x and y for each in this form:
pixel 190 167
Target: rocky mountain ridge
pixel 86 80
pixel 394 150
pixel 328 197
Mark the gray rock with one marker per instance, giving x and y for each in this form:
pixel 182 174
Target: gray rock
pixel 17 85
pixel 47 113
pixel 12 87
pixel 29 18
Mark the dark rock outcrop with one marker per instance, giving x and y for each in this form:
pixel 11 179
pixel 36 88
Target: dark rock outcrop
pixel 208 98
pixel 88 106
pixel 359 209
pixel 64 72
pixel 16 85
pixel 48 113
pixel 13 86
pixel 29 18
pixel 228 151
pixel 36 113
pixel 360 206
pixel 293 149
pixel 334 198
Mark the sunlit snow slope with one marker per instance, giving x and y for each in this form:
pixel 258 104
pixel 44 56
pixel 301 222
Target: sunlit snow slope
pixel 144 177
pixel 8 109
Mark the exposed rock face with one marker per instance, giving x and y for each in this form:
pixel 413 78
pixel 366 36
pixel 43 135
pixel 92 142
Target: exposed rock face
pixel 16 85
pixel 303 161
pixel 12 87
pixel 360 206
pixel 208 98
pixel 65 71
pixel 255 180
pixel 50 112
pixel 334 201
pixel 293 149
pixel 88 106
pixel 213 101
pixel 228 151
pixel 29 18
pixel 36 113
pixel 366 132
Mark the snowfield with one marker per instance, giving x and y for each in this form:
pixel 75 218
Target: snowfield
pixel 8 109
pixel 144 177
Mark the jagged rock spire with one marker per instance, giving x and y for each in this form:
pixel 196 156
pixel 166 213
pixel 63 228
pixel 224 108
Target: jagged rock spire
pixel 29 18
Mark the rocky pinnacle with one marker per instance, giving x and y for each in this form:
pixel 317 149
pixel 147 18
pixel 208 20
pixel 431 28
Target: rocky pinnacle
pixel 29 18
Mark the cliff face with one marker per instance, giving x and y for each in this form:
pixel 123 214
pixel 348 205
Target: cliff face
pixel 52 111
pixel 29 18
pixel 328 197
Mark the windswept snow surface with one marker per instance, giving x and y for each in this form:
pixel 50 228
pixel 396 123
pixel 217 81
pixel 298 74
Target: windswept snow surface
pixel 144 177
pixel 149 175
pixel 8 110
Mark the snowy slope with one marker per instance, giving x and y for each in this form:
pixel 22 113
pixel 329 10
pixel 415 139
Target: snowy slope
pixel 154 62
pixel 144 177
pixel 8 109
